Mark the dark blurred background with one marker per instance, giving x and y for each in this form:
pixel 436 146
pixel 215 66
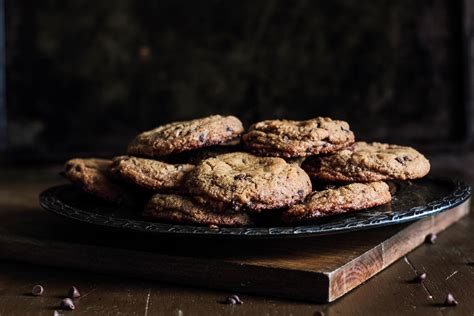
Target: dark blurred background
pixel 83 77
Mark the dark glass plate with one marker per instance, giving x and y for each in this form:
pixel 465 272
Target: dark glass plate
pixel 412 200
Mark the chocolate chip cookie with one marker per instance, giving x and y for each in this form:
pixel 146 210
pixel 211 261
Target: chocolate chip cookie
pixel 151 174
pixel 286 138
pixel 365 162
pixel 244 181
pixel 184 210
pixel 344 199
pixel 93 176
pixel 186 135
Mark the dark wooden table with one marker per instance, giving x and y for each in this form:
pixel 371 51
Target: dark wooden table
pixel 388 293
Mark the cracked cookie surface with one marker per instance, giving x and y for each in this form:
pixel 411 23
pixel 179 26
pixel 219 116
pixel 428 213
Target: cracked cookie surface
pixel 92 174
pixel 151 174
pixel 183 209
pixel 244 181
pixel 285 138
pixel 365 162
pixel 185 135
pixel 340 200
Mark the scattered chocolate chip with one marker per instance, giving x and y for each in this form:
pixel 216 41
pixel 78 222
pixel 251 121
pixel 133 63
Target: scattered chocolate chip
pixel 233 299
pixel 237 299
pixel 400 160
pixel 67 303
pixel 420 278
pixel 450 301
pixel 239 177
pixel 242 177
pixel 430 238
pixel 73 292
pixel 37 290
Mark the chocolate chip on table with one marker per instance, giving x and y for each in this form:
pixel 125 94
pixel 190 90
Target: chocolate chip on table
pixel 420 278
pixel 67 303
pixel 37 290
pixel 450 300
pixel 430 238
pixel 73 293
pixel 233 299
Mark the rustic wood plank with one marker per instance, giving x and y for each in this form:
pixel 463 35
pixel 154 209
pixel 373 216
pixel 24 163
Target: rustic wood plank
pixel 445 263
pixel 390 292
pixel 305 275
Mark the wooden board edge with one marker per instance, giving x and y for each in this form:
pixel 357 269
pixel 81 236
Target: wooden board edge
pixel 349 276
pixel 189 271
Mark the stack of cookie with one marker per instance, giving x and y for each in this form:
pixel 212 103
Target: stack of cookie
pixel 209 172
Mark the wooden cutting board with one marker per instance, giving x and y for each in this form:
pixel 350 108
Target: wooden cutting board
pixel 316 269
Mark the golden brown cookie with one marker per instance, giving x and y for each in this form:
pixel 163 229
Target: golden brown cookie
pixel 185 135
pixel 286 138
pixel 244 181
pixel 365 162
pixel 184 210
pixel 151 174
pixel 93 176
pixel 348 198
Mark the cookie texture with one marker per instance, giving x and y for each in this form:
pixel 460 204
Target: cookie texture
pixel 348 198
pixel 93 176
pixel 365 162
pixel 244 181
pixel 185 135
pixel 184 210
pixel 286 138
pixel 151 174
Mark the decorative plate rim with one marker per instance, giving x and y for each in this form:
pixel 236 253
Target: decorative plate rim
pixel 49 201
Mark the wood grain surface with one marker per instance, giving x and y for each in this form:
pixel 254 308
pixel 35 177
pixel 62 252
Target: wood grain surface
pixel 316 269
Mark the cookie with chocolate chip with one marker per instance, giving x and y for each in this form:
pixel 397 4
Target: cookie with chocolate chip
pixel 242 181
pixel 338 200
pixel 185 135
pixel 184 210
pixel 150 174
pixel 93 176
pixel 365 162
pixel 285 138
